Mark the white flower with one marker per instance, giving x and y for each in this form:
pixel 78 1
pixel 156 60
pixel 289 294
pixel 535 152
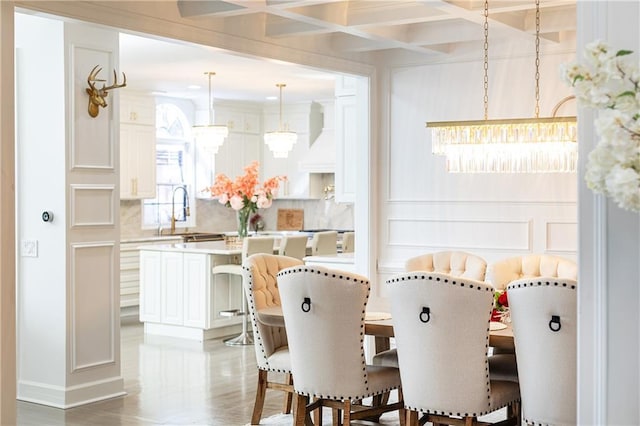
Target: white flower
pixel 264 202
pixel 610 84
pixel 236 202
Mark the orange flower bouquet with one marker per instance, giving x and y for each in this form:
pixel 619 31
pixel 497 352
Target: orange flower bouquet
pixel 245 194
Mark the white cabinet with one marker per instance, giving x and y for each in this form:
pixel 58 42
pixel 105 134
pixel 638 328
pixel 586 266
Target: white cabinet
pixel 137 147
pixel 130 271
pixel 179 296
pixel 346 137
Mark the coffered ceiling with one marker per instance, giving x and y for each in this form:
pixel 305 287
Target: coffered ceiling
pixel 419 31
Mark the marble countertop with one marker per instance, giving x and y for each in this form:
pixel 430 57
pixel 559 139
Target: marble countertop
pixel 204 247
pixel 330 258
pixel 151 238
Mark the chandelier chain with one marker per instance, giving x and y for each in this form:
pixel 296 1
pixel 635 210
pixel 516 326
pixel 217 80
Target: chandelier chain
pixel 537 110
pixel 486 59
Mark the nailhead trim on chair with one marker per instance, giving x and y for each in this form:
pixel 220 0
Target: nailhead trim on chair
pixel 539 283
pixel 364 362
pixel 430 276
pixel 255 326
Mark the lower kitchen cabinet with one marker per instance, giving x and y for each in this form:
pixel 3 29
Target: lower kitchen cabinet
pixel 180 297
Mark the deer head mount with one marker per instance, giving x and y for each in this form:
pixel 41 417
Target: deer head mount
pixel 98 97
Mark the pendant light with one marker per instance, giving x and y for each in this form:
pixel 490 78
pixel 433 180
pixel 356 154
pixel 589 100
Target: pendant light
pixel 210 137
pixel 521 145
pixel 280 142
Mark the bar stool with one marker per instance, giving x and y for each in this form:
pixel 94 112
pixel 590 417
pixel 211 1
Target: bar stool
pixel 250 245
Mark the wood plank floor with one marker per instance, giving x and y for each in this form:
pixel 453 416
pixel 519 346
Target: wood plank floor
pixel 169 382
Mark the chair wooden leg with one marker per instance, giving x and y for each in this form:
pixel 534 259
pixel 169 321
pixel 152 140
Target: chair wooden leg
pixel 288 396
pixel 346 416
pixel 401 412
pixel 411 417
pixel 260 395
pixel 317 414
pixel 336 415
pixel 300 412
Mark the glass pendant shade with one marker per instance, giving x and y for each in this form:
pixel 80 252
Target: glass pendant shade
pixel 521 145
pixel 280 142
pixel 210 137
pixel 507 146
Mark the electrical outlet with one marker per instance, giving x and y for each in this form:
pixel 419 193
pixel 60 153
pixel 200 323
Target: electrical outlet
pixel 29 248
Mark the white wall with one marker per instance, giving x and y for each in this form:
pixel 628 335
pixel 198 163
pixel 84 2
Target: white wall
pixel 423 208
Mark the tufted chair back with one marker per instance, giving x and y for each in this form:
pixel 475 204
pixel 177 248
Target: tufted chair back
pixel 455 263
pixel 502 272
pixel 261 290
pixel 544 321
pixel 441 326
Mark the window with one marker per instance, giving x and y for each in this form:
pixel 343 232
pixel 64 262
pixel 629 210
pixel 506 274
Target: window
pixel 174 171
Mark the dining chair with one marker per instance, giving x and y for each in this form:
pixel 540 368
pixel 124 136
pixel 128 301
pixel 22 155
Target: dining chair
pixel 502 272
pixel 324 316
pixel 441 326
pixel 250 245
pixel 348 242
pixel 272 352
pixel 324 242
pixel 454 263
pixel 294 246
pixel 544 320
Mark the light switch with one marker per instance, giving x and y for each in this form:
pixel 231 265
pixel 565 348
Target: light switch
pixel 29 248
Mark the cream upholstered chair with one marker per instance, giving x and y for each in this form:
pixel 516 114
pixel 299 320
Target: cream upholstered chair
pixel 502 272
pixel 324 317
pixel 294 246
pixel 544 320
pixel 441 326
pixel 454 263
pixel 272 352
pixel 250 245
pixel 325 242
pixel 348 242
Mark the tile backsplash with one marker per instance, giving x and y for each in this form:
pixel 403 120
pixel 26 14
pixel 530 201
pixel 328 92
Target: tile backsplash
pixel 212 216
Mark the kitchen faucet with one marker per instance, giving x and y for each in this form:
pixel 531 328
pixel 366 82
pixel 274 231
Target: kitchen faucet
pixel 173 206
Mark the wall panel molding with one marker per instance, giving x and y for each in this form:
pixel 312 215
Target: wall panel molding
pixel 561 236
pixel 93 205
pixel 93 304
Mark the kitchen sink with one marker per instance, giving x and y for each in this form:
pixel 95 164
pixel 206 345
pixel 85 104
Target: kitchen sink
pixel 192 237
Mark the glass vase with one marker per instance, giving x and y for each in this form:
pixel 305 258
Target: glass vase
pixel 243 222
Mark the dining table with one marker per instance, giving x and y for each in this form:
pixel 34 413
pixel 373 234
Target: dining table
pixel 380 326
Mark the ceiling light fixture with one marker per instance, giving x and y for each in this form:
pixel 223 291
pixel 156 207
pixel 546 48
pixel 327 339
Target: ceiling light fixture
pixel 210 137
pixel 280 142
pixel 521 145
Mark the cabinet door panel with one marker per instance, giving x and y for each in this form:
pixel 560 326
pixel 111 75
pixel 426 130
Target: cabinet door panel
pixel 137 161
pixel 150 286
pixel 346 142
pixel 197 272
pixel 172 288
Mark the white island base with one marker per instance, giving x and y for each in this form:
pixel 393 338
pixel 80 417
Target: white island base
pixel 180 297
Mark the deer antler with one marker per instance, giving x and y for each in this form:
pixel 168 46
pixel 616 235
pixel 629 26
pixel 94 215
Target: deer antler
pixel 115 84
pixel 97 96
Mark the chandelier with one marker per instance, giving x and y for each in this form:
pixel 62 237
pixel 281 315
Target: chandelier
pixel 280 142
pixel 521 145
pixel 210 137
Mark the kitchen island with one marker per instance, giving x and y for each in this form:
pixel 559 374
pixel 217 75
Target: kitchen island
pixel 180 297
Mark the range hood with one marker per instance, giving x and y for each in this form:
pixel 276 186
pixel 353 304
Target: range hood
pixel 321 157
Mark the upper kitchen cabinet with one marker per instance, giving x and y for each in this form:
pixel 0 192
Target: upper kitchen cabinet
pixel 346 134
pixel 240 148
pixel 137 146
pixel 305 119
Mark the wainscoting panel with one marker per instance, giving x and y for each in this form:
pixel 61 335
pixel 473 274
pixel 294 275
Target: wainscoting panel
pixel 457 234
pixel 562 237
pixel 93 205
pixel 93 306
